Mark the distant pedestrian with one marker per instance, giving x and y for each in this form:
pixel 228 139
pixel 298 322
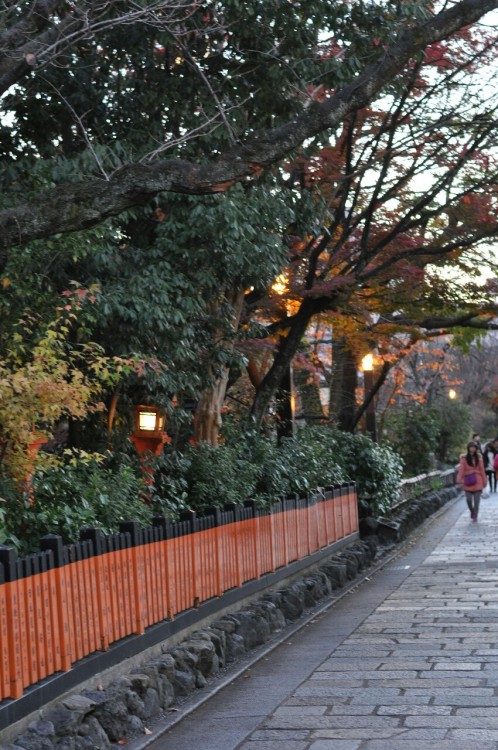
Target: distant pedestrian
pixel 489 454
pixel 476 438
pixel 472 477
pixel 495 463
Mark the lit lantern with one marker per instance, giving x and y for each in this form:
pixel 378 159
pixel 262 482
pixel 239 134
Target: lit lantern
pixel 149 422
pixel 149 437
pixel 367 363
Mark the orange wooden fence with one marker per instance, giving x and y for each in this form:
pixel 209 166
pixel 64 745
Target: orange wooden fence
pixel 66 602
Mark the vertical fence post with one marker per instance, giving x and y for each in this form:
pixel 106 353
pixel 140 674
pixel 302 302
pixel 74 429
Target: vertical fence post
pixel 4 639
pixel 99 581
pixel 232 508
pixel 8 558
pixel 354 505
pixel 190 517
pixel 138 587
pixel 256 567
pixel 166 529
pixel 216 514
pixel 53 542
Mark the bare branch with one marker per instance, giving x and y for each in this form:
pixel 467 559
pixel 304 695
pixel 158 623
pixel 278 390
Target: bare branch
pixel 47 31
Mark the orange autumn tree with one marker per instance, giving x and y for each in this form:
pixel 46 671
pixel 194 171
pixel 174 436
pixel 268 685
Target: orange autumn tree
pixel 407 191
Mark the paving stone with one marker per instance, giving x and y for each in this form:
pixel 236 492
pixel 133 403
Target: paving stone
pixel 335 745
pixel 358 733
pixel 367 675
pixel 414 744
pixel 279 745
pixel 474 735
pixel 331 722
pixel 298 711
pixel 406 710
pixel 455 722
pixel 280 734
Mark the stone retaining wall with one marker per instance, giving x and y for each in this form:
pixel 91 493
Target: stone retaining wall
pixel 96 718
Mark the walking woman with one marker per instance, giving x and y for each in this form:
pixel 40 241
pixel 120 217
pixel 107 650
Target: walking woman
pixel 472 477
pixel 488 455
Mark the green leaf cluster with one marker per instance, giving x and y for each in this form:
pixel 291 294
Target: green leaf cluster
pixel 422 433
pixel 77 493
pixel 250 466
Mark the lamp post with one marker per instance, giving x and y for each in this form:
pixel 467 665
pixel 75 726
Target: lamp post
pixel 148 436
pixel 367 365
pixel 286 406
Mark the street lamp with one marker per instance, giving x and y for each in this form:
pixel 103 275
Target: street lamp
pixel 149 422
pixel 286 407
pixel 367 365
pixel 452 394
pixel 148 437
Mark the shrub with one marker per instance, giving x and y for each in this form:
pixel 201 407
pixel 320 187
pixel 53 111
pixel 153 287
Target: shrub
pixel 83 491
pixel 415 432
pixel 454 429
pixel 74 494
pixel 301 464
pixel 376 469
pixel 250 466
pixel 205 476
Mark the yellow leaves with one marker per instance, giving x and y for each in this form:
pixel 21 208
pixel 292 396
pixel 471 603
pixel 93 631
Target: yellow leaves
pixel 43 384
pixel 6 282
pixel 75 457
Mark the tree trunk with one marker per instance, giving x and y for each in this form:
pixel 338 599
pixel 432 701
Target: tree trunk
pixel 283 358
pixel 343 386
pixel 285 406
pixel 208 420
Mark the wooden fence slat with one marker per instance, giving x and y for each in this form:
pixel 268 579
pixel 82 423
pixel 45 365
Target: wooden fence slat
pixel 59 607
pixel 34 623
pixel 46 642
pixel 116 619
pixel 4 640
pixel 8 558
pixel 137 585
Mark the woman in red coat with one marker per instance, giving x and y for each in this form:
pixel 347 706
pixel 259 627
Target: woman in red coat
pixel 472 477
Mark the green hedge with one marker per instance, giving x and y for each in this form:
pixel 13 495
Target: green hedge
pixel 246 465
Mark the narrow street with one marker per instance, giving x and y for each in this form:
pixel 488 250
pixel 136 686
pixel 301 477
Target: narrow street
pixel 408 659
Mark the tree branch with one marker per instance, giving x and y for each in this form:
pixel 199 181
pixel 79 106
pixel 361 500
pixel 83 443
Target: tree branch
pixel 72 207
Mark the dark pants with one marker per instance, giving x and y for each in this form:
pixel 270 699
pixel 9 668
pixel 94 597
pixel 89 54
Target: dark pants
pixel 491 479
pixel 473 500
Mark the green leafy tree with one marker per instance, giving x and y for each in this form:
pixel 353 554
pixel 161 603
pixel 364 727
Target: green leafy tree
pixel 455 427
pixel 414 431
pixel 101 97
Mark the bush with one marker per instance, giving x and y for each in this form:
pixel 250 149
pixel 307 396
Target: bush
pixel 250 466
pixel 80 492
pixel 376 469
pixel 454 429
pixel 414 432
pixel 246 466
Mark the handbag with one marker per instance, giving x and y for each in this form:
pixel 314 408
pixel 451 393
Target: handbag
pixel 469 479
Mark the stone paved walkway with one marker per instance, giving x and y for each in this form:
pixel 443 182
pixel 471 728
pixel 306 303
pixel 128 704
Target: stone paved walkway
pixel 408 661
pixel 420 671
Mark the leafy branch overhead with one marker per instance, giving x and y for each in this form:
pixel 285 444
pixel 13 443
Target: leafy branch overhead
pixel 46 42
